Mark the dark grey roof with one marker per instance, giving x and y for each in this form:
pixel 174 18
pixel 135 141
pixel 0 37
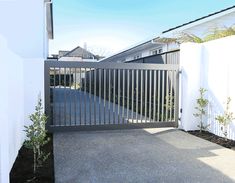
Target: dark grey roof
pixel 80 52
pixel 198 19
pixel 62 53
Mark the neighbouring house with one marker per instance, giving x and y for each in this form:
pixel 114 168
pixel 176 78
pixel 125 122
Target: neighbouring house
pixel 155 46
pixel 78 54
pixel 26 26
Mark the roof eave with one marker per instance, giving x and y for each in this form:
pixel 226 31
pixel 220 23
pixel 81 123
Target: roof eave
pixel 201 20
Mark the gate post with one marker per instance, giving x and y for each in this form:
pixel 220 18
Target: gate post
pixel 177 99
pixel 47 94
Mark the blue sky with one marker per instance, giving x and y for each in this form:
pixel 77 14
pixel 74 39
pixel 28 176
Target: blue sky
pixel 107 26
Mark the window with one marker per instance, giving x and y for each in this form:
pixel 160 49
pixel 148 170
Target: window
pixel 156 51
pixel 153 52
pixel 124 59
pixel 139 55
pixel 160 51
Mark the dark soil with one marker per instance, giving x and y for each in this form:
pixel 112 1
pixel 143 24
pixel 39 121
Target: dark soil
pixel 214 138
pixel 22 170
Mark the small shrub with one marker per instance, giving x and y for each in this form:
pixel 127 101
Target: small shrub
pixel 226 118
pixel 36 136
pixel 202 103
pixel 169 106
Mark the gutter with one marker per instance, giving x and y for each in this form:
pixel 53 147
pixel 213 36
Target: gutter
pixel 49 19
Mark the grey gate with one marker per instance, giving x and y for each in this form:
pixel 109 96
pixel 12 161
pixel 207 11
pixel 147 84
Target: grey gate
pixel 95 96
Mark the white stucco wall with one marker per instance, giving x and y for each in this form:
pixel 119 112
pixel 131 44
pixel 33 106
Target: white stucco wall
pixel 11 108
pixel 22 22
pixel 23 48
pixel 211 66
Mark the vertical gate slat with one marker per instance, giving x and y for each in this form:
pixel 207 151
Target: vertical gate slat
pixel 80 95
pixel 128 93
pixel 99 95
pixel 150 94
pixel 163 95
pixel 109 93
pixel 171 95
pixel 65 105
pixel 154 96
pixel 60 122
pixel 158 96
pixel 132 97
pixel 137 94
pixel 146 85
pixel 118 96
pixel 167 95
pixel 75 96
pixel 90 112
pixel 114 97
pixel 141 96
pixel 104 96
pixel 70 98
pixel 85 95
pixel 123 95
pixel 95 80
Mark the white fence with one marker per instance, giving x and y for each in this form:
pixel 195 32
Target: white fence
pixel 23 48
pixel 21 81
pixel 211 66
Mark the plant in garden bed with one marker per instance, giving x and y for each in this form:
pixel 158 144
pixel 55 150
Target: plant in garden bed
pixel 37 137
pixel 75 86
pixel 202 103
pixel 226 118
pixel 169 106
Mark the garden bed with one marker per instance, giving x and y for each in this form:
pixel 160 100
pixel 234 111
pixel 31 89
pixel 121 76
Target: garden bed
pixel 22 170
pixel 214 138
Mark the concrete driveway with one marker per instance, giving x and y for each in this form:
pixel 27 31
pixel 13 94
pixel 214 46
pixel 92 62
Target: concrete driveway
pixel 139 156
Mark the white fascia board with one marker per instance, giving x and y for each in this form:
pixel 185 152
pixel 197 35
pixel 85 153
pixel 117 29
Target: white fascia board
pixel 197 23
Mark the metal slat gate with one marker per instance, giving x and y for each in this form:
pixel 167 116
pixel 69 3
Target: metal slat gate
pixel 97 96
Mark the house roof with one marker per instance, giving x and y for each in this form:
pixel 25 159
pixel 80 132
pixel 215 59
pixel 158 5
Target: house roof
pixel 223 11
pixel 199 19
pixel 62 53
pixel 133 50
pixel 79 52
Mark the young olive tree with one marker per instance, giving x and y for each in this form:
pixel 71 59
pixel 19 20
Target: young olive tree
pixel 202 103
pixel 36 135
pixel 226 118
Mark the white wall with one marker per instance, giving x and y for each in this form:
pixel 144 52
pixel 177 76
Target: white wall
pixel 22 22
pixel 211 66
pixel 144 53
pixel 79 59
pixel 23 48
pixel 12 109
